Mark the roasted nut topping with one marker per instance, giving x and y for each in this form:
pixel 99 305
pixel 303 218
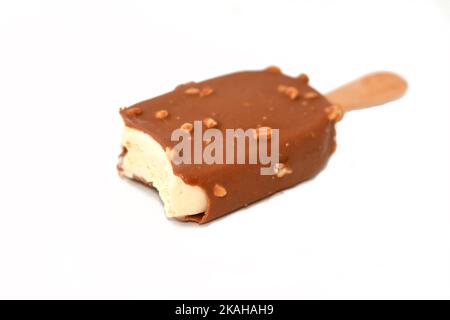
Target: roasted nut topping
pixel 210 122
pixel 311 95
pixel 187 127
pixel 303 77
pixel 134 111
pixel 206 91
pixel 291 92
pixel 281 170
pixel 192 91
pixel 161 114
pixel 335 112
pixel 273 69
pixel 219 190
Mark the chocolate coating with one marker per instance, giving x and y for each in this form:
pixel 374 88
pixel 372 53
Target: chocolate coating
pixel 248 99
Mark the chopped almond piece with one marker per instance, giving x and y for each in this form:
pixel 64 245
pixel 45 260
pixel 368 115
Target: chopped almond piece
pixel 335 112
pixel 161 114
pixel 303 77
pixel 206 91
pixel 273 69
pixel 192 91
pixel 187 126
pixel 281 170
pixel 311 95
pixel 134 111
pixel 219 190
pixel 291 92
pixel 210 122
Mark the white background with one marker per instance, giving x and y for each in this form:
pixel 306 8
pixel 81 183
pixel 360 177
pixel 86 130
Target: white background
pixel 374 224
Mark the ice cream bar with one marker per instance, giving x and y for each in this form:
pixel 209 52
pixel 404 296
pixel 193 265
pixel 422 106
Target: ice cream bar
pixel 272 106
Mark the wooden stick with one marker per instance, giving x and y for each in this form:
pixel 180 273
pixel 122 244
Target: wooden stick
pixel 370 90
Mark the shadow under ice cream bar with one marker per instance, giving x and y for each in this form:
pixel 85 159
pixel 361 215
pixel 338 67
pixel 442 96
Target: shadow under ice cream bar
pixel 264 100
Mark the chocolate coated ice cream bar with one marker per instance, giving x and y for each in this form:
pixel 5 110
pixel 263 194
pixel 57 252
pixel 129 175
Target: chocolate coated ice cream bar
pixel 201 145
